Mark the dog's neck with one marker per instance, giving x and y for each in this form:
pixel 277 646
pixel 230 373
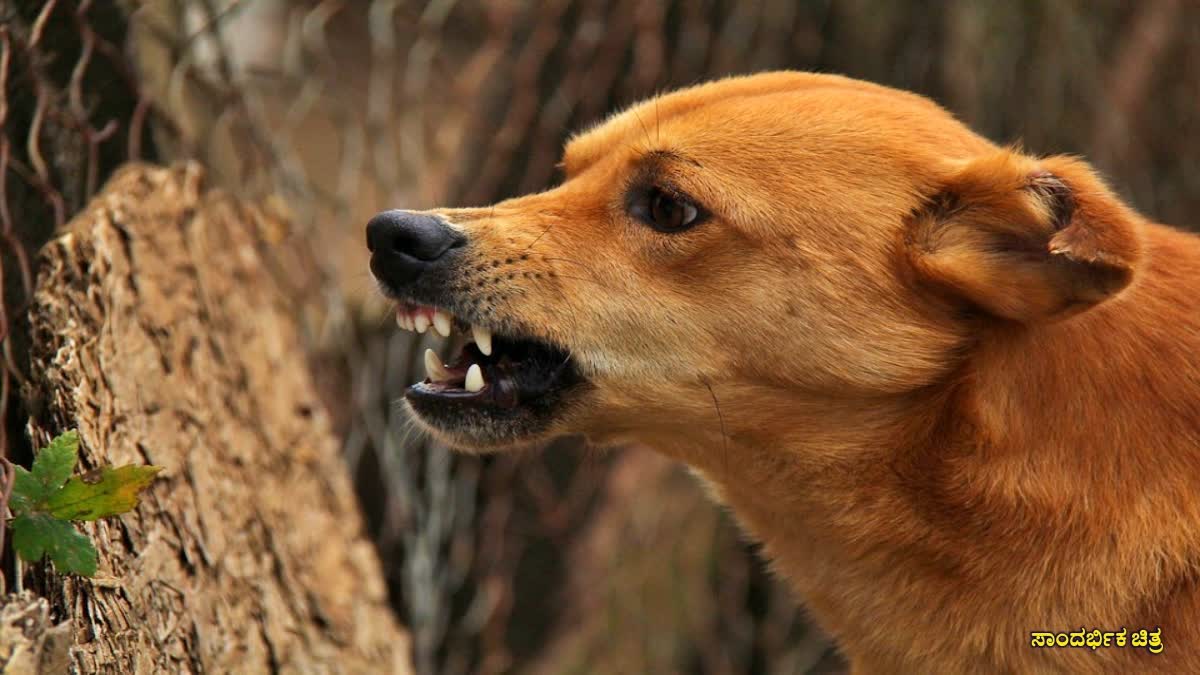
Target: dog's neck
pixel 781 458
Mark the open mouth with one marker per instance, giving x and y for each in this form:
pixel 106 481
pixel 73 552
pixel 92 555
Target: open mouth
pixel 497 387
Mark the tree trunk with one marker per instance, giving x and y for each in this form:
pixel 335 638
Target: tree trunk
pixel 160 334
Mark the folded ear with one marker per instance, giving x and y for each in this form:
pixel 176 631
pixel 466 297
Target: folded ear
pixel 1025 239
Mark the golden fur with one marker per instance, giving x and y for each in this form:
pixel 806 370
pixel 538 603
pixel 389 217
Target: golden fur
pixel 954 389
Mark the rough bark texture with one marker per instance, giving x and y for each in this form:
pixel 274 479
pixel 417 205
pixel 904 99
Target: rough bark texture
pixel 160 335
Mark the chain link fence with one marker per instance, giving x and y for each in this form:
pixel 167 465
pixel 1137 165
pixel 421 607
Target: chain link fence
pixel 561 560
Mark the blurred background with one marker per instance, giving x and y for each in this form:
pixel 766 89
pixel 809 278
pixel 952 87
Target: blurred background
pixel 561 560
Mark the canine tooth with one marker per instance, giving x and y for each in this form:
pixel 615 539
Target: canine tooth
pixel 483 339
pixel 408 322
pixel 422 322
pixel 441 323
pixel 434 368
pixel 474 381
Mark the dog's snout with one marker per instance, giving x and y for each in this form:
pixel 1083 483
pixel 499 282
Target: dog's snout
pixel 404 243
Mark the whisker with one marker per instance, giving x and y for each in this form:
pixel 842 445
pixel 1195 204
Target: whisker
pixel 594 281
pixel 641 123
pixel 539 237
pixel 385 319
pixel 721 419
pixel 657 121
pixel 569 260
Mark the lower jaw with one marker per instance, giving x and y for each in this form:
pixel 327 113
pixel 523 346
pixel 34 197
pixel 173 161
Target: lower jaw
pixel 468 426
pixel 481 432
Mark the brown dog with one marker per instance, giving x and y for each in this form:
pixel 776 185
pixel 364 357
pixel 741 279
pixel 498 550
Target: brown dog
pixel 953 388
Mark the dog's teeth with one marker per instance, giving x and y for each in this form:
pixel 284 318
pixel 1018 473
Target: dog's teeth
pixel 400 318
pixel 422 323
pixel 441 323
pixel 408 322
pixel 434 368
pixel 483 339
pixel 474 381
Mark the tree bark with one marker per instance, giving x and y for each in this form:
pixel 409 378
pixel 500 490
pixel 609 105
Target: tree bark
pixel 160 334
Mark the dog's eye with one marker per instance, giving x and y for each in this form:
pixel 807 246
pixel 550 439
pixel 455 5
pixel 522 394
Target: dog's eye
pixel 665 212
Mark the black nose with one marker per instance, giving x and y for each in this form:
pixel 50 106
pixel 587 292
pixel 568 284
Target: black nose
pixel 404 244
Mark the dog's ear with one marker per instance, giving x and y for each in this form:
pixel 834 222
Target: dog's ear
pixel 1024 239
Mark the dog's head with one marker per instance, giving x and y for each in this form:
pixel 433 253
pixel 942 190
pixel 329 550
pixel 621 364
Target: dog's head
pixel 781 237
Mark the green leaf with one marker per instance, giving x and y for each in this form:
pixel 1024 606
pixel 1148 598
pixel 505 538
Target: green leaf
pixel 51 468
pixel 101 493
pixel 55 462
pixel 39 534
pixel 26 491
pixel 46 497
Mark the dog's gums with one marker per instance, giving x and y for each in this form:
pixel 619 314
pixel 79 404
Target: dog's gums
pixel 952 387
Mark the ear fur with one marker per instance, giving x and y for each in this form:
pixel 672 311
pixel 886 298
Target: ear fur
pixel 1024 239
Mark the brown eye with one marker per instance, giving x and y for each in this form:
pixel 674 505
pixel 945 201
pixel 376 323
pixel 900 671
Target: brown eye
pixel 664 211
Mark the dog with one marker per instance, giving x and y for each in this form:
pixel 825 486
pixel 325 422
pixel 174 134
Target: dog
pixel 953 388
